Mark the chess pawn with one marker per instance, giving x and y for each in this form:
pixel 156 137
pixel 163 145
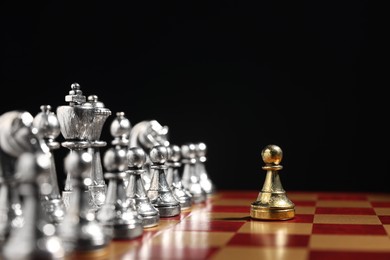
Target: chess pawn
pixel 136 158
pixel 174 179
pixel 37 238
pixel 98 185
pixel 147 134
pixel 159 193
pixel 79 230
pixel 190 178
pixel 46 123
pixel 119 212
pixel 272 202
pixel 204 179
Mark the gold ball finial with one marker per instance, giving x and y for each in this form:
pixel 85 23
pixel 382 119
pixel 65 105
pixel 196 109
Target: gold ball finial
pixel 272 154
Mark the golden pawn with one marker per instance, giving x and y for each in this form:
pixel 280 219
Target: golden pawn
pixel 272 202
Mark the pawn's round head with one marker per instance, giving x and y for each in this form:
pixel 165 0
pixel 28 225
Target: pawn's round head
pixel 115 160
pixel 136 157
pixel 188 151
pixel 120 126
pixel 201 149
pixel 175 153
pixel 272 154
pixel 159 154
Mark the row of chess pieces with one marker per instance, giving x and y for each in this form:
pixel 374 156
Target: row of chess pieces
pixel 145 178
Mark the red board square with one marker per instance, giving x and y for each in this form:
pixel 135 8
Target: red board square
pixel 348 229
pixel 210 226
pixel 342 196
pixel 384 219
pixel 343 255
pixel 270 240
pixel 307 203
pixel 345 211
pixel 302 218
pixel 380 204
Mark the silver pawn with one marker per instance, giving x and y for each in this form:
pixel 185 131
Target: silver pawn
pixel 159 193
pixel 136 190
pixel 79 230
pixel 174 178
pixel 204 179
pixel 47 124
pixel 37 238
pixel 190 178
pixel 118 214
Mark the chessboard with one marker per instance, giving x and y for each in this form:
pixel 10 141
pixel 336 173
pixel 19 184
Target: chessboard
pixel 327 225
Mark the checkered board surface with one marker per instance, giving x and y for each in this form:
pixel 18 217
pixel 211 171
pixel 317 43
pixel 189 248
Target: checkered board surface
pixel 326 226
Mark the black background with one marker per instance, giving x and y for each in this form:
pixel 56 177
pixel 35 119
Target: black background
pixel 235 75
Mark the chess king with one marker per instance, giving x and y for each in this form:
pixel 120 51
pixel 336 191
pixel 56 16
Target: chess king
pixel 81 123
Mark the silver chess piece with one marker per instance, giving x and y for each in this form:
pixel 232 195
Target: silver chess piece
pixel 80 231
pixel 46 123
pixel 118 214
pixel 204 179
pixel 27 165
pixel 159 193
pixel 136 190
pixel 174 179
pixel 81 124
pixel 98 186
pixel 15 139
pixel 37 238
pixel 147 134
pixel 74 120
pixel 190 177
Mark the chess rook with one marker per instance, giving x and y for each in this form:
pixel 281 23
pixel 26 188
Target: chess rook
pixel 272 202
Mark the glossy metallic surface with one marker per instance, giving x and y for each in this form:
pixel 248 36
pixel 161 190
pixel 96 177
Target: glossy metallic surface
pixel 159 193
pixel 174 179
pixel 79 230
pixel 204 179
pixel 136 190
pixel 48 127
pixel 190 178
pixel 272 202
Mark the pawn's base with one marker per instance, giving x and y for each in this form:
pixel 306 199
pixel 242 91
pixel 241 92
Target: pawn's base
pixel 169 211
pixel 150 221
pixel 127 231
pixel 264 213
